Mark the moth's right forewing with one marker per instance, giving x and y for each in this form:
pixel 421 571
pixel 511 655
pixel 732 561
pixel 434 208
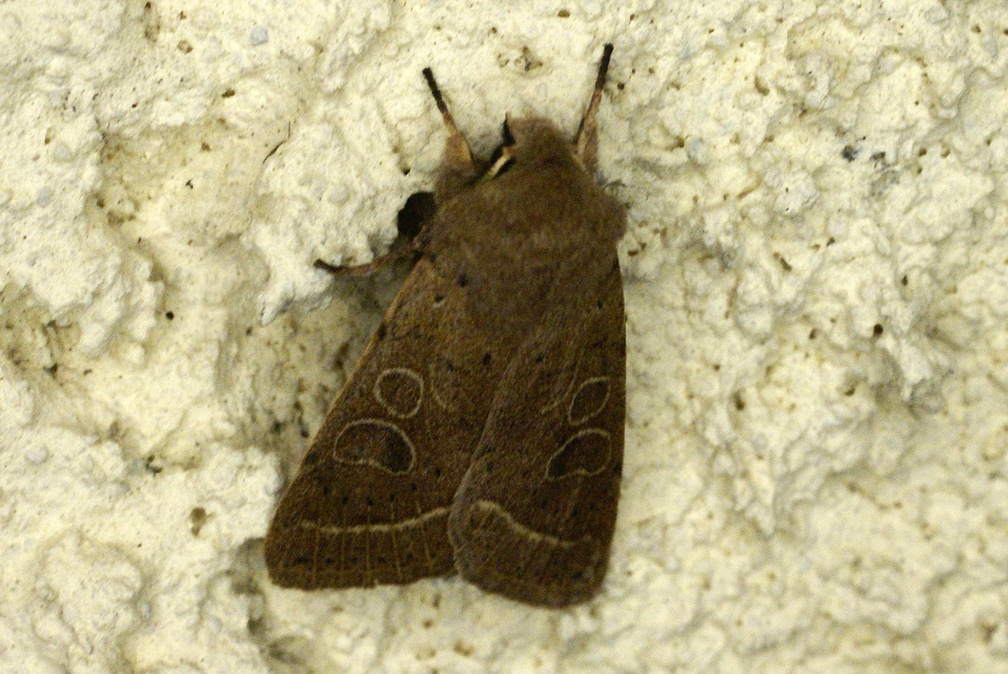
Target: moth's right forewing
pixel 370 502
pixel 534 516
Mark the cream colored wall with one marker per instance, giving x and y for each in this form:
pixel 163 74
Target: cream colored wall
pixel 816 288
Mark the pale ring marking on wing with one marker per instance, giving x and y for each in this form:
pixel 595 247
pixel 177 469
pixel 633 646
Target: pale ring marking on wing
pixel 564 383
pixel 563 380
pixel 396 464
pixel 495 510
pixel 585 416
pixel 356 529
pixel 441 402
pixel 568 454
pixel 394 407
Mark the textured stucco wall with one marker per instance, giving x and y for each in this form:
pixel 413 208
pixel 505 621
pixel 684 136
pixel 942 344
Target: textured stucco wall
pixel 816 278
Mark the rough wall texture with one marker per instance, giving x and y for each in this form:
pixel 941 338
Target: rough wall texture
pixel 817 296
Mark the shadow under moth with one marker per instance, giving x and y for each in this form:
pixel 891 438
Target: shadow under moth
pixel 482 430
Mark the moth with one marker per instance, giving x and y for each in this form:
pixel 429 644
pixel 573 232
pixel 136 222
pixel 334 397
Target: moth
pixel 482 430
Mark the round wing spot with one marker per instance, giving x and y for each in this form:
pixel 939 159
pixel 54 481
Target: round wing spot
pixel 590 399
pixel 585 453
pixel 400 391
pixel 444 383
pixel 376 443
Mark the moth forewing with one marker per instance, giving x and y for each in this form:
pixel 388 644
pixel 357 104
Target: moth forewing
pixel 371 499
pixel 535 514
pixel 482 429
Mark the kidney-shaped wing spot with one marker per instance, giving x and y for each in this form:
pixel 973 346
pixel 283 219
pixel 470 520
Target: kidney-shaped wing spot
pixel 376 443
pixel 400 391
pixel 586 453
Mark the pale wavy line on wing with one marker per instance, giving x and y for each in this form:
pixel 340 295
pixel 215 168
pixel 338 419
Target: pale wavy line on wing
pixel 417 521
pixel 495 509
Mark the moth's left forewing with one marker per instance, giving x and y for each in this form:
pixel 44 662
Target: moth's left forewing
pixel 369 503
pixel 534 517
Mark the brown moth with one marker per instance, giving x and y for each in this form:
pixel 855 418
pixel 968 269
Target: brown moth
pixel 482 430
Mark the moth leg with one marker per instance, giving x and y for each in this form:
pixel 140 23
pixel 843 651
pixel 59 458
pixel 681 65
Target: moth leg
pixel 397 252
pixel 413 217
pixel 458 168
pixel 356 269
pixel 586 141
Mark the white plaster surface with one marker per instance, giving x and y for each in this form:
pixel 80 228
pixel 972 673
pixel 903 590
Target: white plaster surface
pixel 817 317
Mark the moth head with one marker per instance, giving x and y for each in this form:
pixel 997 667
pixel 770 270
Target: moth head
pixel 528 142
